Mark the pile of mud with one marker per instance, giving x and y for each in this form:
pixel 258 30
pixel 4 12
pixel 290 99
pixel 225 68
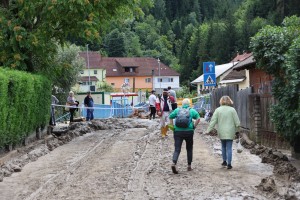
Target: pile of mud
pixel 282 166
pixel 59 137
pixel 283 169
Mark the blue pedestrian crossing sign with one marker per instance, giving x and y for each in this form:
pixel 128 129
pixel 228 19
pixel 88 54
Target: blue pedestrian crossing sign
pixel 209 75
pixel 209 79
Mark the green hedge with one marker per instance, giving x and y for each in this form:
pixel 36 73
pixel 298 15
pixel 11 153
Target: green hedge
pixel 24 103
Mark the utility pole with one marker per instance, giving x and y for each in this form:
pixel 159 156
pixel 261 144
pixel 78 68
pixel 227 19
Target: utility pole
pixel 159 79
pixel 88 64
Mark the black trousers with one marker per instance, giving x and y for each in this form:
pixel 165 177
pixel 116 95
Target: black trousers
pixel 152 112
pixel 179 136
pixel 52 117
pixel 72 111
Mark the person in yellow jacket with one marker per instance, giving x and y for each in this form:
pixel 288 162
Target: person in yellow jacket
pixel 228 123
pixel 163 109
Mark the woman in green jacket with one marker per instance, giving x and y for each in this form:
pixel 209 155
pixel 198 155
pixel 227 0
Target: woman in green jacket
pixel 228 124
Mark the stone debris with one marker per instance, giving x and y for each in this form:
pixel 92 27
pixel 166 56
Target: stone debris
pixel 267 185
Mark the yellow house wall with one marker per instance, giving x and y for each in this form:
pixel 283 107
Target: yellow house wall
pixel 101 73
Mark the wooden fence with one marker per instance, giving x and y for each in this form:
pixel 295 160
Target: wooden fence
pixel 242 105
pixel 216 95
pixel 253 111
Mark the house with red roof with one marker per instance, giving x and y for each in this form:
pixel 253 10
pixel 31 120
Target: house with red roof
pixel 241 78
pixel 140 73
pixel 259 80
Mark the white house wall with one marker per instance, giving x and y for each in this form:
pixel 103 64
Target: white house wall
pixel 174 84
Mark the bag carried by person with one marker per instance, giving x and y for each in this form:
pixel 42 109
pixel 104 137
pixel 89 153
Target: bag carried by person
pixel 67 108
pixel 183 118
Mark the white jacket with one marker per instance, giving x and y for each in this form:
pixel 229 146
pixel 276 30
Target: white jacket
pixel 161 102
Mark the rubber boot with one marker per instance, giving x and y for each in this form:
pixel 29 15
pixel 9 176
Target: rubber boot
pixel 164 131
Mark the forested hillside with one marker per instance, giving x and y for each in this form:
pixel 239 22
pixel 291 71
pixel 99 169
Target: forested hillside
pixel 185 33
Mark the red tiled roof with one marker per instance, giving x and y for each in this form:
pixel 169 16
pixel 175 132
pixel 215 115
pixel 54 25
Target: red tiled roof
pixel 125 62
pixel 86 78
pixel 235 75
pixel 94 58
pixel 143 65
pixel 245 64
pixel 241 57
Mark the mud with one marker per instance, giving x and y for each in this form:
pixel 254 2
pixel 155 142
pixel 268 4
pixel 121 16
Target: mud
pixel 127 159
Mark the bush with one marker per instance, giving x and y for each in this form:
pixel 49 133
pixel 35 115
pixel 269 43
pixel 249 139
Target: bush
pixel 25 105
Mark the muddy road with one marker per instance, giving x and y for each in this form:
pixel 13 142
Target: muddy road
pixel 135 163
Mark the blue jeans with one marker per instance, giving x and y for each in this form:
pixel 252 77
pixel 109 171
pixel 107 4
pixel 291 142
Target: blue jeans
pixel 179 136
pixel 227 151
pixel 89 114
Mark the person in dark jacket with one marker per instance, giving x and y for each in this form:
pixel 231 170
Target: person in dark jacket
pixel 89 104
pixel 54 101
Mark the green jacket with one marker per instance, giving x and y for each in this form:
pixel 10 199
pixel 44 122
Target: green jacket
pixel 228 122
pixel 193 113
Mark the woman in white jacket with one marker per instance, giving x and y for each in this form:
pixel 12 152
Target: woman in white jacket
pixel 164 108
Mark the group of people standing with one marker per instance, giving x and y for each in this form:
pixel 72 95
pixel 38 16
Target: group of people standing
pixel 72 106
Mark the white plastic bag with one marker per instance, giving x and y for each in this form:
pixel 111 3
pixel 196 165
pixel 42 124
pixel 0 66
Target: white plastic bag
pixel 239 146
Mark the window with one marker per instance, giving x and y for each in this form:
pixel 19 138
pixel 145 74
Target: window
pixel 113 84
pixel 114 70
pixel 95 71
pixel 148 80
pixel 129 69
pixel 126 80
pixel 165 80
pixel 83 83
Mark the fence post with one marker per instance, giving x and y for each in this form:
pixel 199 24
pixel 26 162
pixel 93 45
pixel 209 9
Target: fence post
pixel 257 118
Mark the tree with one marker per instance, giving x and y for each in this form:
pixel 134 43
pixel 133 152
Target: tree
pixel 67 68
pixel 277 51
pixel 159 9
pixel 30 30
pixel 115 42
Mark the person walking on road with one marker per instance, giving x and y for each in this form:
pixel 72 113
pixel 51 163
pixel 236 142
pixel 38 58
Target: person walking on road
pixel 89 104
pixel 152 101
pixel 184 130
pixel 163 109
pixel 173 94
pixel 228 126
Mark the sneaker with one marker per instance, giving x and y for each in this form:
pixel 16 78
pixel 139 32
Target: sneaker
pixel 189 168
pixel 224 163
pixel 229 167
pixel 174 170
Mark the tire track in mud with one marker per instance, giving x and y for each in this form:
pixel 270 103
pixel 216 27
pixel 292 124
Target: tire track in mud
pixel 154 150
pixel 136 182
pixel 105 174
pixel 67 174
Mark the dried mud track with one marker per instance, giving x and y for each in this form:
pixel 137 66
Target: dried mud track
pixel 135 164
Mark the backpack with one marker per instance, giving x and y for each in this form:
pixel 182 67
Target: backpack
pixel 183 118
